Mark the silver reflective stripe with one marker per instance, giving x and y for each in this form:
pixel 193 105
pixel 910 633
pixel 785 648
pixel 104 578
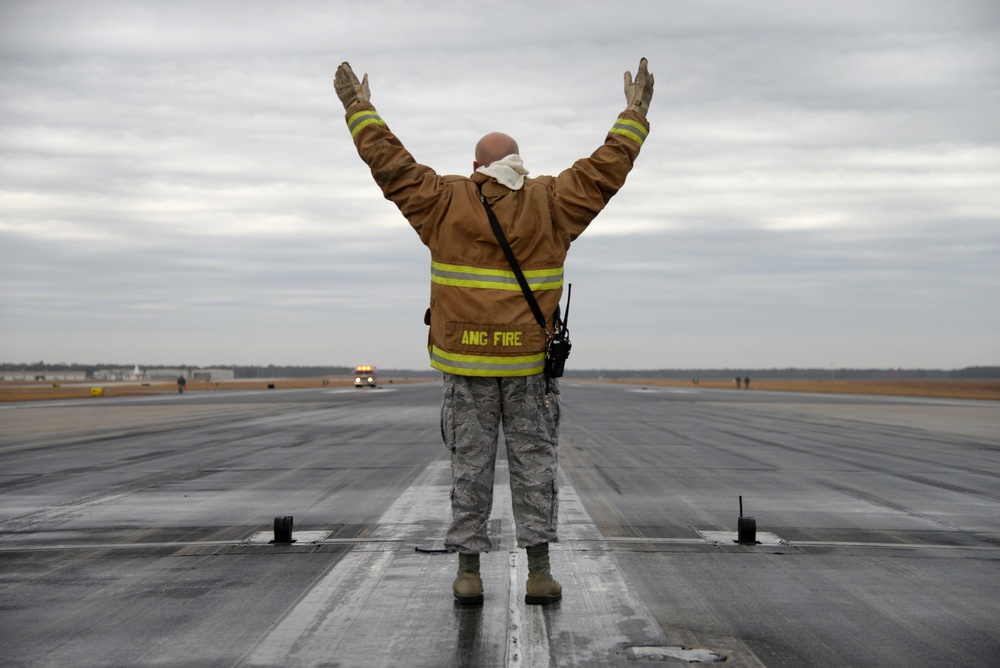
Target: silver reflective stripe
pixel 495 279
pixel 363 119
pixel 631 129
pixel 473 365
pixel 500 280
pixel 477 278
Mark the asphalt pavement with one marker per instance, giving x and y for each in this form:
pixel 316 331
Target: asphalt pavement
pixel 139 532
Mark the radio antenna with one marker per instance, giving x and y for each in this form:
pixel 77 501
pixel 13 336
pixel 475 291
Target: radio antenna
pixel 569 296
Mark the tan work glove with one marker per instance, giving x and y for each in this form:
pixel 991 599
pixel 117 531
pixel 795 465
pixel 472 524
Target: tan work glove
pixel 349 89
pixel 638 94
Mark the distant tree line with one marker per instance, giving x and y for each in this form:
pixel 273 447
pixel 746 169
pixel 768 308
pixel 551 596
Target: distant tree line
pixel 968 373
pixel 277 371
pixel 272 371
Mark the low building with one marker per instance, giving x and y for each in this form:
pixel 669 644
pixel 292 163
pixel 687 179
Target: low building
pixel 47 376
pixel 171 374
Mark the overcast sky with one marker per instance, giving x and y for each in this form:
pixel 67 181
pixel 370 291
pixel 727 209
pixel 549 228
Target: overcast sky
pixel 820 187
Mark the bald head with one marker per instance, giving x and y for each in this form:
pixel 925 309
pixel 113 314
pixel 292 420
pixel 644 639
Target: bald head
pixel 493 147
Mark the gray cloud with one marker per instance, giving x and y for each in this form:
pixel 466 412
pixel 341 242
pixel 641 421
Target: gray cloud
pixel 821 183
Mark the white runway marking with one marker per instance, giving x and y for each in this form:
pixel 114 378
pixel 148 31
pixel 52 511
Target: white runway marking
pixel 728 537
pixel 300 537
pixel 385 601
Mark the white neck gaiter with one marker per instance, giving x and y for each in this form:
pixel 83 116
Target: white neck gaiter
pixel 509 171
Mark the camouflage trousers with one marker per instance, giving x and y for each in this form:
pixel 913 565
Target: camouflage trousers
pixel 471 414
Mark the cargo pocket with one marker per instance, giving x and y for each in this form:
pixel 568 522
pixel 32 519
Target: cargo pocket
pixel 448 415
pixel 553 410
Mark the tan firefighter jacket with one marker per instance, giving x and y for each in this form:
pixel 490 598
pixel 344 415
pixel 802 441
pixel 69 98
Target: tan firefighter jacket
pixel 480 321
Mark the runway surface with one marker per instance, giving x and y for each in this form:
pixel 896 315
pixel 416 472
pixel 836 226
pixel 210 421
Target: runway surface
pixel 136 532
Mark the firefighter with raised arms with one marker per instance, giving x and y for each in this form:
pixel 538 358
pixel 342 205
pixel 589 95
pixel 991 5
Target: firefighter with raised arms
pixel 483 335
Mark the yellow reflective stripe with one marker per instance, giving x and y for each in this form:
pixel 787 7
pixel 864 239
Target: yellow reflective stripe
pixel 359 121
pixel 486 365
pixel 634 130
pixel 496 279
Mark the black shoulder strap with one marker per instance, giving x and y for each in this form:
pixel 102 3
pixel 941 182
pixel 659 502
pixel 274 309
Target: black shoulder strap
pixel 515 267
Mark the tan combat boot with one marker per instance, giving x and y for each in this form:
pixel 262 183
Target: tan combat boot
pixel 541 588
pixel 468 586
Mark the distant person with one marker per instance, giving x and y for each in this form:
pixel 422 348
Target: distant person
pixel 746 383
pixel 180 384
pixel 483 334
pixel 737 382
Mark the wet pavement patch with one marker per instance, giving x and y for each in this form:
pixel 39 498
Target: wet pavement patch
pixel 687 654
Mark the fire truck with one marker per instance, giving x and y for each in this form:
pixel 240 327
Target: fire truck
pixel 364 376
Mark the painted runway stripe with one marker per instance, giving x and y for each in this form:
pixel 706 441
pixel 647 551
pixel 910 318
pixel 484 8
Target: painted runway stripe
pixel 385 603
